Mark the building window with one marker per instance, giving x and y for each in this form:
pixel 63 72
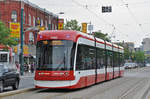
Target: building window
pixel 29 19
pixel 41 22
pixel 38 22
pixel 24 18
pixel 52 26
pixel 33 21
pixel 55 26
pixel 31 38
pixel 49 20
pixel 46 25
pixel 14 16
pixel 49 24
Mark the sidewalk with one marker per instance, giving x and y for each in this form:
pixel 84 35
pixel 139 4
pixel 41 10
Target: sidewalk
pixel 27 74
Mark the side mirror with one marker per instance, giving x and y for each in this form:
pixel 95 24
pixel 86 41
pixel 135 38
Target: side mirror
pixel 5 71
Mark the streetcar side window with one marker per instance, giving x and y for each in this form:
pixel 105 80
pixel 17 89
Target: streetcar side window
pixel 90 57
pixel 116 59
pixel 85 57
pixel 100 58
pixel 109 58
pixel 121 60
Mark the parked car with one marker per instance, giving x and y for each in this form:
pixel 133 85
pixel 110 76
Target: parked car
pixel 8 77
pixel 147 64
pixel 130 65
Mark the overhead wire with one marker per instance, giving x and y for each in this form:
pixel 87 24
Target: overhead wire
pixel 133 16
pixel 97 16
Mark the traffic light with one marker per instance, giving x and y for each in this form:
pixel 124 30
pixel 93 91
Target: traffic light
pixel 106 9
pixel 103 9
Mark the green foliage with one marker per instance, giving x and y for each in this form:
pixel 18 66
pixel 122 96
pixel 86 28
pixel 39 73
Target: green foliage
pixel 139 57
pixel 5 38
pixel 126 54
pixel 102 36
pixel 72 25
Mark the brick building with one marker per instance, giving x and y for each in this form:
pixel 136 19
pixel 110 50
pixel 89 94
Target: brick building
pixel 10 11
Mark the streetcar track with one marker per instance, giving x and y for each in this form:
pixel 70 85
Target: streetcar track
pixel 127 80
pixel 104 85
pixel 128 91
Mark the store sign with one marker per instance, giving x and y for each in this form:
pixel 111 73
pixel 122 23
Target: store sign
pixel 90 27
pixel 25 50
pixel 15 30
pixel 60 24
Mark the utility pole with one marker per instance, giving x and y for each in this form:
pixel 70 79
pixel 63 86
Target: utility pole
pixel 21 53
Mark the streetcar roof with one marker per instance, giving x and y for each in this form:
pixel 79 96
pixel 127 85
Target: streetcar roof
pixel 70 35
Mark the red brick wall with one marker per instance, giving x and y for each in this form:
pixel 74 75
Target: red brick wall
pixel 6 9
pixel 7 6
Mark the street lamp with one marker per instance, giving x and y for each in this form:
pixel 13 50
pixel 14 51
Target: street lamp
pixel 21 53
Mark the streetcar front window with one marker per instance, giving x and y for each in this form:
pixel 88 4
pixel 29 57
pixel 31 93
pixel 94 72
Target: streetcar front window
pixel 55 55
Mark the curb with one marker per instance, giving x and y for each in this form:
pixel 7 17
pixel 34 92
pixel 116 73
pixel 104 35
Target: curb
pixel 27 77
pixel 16 92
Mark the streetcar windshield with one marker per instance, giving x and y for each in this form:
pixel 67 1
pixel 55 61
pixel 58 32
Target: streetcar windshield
pixel 55 55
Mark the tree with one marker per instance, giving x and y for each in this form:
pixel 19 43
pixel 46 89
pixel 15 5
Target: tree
pixel 5 38
pixel 102 36
pixel 139 57
pixel 126 53
pixel 72 25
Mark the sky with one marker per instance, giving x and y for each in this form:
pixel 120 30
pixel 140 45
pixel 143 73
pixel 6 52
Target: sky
pixel 129 20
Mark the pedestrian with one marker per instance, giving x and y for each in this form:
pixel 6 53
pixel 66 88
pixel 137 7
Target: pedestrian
pixel 32 68
pixel 26 68
pixel 17 66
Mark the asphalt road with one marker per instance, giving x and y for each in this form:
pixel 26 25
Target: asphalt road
pixel 131 86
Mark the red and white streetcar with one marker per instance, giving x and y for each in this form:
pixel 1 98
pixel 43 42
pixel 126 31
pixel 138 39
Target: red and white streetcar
pixel 71 59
